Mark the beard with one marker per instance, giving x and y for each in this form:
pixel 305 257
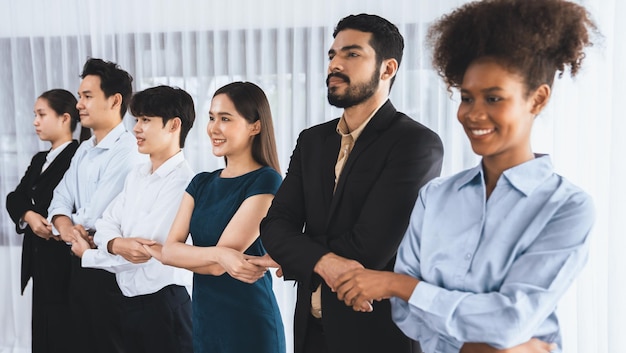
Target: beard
pixel 354 94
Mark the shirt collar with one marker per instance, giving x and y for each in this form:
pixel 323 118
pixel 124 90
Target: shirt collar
pixel 342 126
pixel 109 140
pixel 53 153
pixel 525 177
pixel 167 167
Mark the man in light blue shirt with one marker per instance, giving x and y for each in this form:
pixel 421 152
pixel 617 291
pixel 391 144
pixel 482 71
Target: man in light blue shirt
pixel 96 175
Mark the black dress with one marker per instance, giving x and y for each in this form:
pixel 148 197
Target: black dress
pixel 47 262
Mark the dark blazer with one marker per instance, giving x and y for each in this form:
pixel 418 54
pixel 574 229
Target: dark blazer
pixel 365 219
pixel 46 261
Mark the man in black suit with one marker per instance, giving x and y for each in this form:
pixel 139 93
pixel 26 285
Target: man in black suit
pixel 349 191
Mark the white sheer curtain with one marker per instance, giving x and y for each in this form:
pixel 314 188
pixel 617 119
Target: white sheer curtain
pixel 281 45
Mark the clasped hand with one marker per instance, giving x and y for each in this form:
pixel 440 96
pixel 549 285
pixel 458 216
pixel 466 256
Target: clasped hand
pixel 80 239
pixel 241 266
pixel 38 224
pixel 359 288
pixel 134 249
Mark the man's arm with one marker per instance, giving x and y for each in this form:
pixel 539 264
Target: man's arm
pixel 63 200
pixel 110 242
pixel 110 184
pixel 415 159
pixel 64 228
pixel 282 229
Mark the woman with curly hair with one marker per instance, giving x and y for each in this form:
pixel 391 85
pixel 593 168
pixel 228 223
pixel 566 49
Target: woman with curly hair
pixel 490 251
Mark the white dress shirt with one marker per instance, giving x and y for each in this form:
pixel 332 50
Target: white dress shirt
pixel 146 209
pixel 95 176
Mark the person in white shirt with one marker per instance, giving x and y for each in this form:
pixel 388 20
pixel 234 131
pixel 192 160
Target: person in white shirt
pixel 157 307
pixel 95 176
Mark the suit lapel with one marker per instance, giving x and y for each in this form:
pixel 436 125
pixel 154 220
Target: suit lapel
pixel 330 151
pixel 381 121
pixel 37 165
pixel 59 161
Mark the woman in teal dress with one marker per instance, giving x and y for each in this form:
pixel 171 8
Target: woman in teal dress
pixel 234 308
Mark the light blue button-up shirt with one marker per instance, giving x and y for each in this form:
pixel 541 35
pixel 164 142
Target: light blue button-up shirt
pixel 493 270
pixel 96 175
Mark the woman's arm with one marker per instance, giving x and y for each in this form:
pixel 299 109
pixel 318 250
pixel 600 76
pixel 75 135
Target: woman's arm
pixel 227 255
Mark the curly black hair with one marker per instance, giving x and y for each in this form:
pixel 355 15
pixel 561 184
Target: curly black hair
pixel 534 38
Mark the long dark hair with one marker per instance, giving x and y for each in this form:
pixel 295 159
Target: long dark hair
pixel 251 102
pixel 62 101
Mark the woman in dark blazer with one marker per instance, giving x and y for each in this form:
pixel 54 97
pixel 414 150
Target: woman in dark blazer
pixel 44 259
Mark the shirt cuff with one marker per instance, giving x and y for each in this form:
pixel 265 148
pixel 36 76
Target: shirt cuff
pixel 22 224
pixel 89 258
pixel 435 300
pixel 423 296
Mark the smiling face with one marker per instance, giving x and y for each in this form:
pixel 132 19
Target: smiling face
pixel 49 125
pixel 353 74
pixel 497 111
pixel 153 138
pixel 231 134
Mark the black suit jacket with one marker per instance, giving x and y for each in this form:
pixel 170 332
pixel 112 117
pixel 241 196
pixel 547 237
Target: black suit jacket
pixel 46 261
pixel 365 219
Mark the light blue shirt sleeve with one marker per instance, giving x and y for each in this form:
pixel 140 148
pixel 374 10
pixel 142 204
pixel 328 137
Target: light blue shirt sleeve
pixel 96 175
pixel 64 194
pixel 492 271
pixel 108 228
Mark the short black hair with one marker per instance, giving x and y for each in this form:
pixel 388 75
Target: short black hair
pixel 386 40
pixel 168 103
pixel 112 80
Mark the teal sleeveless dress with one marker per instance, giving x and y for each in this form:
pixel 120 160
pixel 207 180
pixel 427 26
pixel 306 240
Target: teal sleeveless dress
pixel 231 316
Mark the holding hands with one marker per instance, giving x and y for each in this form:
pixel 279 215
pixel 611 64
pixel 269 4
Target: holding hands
pixel 241 266
pixel 133 249
pixel 359 288
pixel 266 261
pixel 79 246
pixel 331 266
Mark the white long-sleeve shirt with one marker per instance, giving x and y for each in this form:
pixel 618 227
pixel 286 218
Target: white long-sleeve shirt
pixel 95 176
pixel 146 209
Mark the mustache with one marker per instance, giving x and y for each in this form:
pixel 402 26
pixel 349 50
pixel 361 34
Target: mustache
pixel 338 75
